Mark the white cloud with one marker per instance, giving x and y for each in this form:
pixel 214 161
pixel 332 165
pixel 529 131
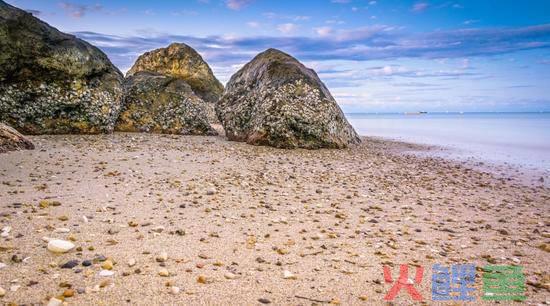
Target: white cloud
pixel 420 7
pixel 253 24
pixel 323 31
pixel 237 4
pixel 287 28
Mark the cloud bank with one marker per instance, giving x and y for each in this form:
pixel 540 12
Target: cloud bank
pixel 362 44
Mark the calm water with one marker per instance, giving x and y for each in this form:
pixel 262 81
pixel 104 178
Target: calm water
pixel 515 138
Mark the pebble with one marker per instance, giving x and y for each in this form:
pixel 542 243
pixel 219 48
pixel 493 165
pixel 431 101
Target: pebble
pixel 175 290
pixel 164 273
pixel 2 265
pixel 158 229
pixel 211 191
pixel 61 230
pixel 132 262
pixel 2 292
pixel 230 275
pixel 70 264
pixel 106 273
pixel 87 263
pixel 201 279
pixel 54 302
pixel 107 265
pixel 288 275
pixel 68 293
pixel 162 257
pixel 264 301
pixel 60 246
pixel 5 231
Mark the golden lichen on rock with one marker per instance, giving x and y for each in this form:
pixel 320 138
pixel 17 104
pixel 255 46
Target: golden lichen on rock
pixel 181 61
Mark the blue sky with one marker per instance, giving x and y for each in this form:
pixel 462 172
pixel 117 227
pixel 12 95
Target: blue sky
pixel 375 56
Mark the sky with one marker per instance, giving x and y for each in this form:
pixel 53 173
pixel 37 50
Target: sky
pixel 373 55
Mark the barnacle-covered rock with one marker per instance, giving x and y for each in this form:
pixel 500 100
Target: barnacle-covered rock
pixel 52 82
pixel 178 60
pixel 162 104
pixel 11 140
pixel 274 100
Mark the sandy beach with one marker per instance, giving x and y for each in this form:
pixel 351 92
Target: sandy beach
pixel 200 220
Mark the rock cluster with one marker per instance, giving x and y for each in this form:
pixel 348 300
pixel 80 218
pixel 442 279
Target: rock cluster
pixel 55 83
pixel 11 140
pixel 180 61
pixel 274 100
pixel 52 82
pixel 162 104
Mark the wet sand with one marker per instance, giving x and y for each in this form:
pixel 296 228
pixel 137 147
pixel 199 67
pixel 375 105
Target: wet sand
pixel 232 218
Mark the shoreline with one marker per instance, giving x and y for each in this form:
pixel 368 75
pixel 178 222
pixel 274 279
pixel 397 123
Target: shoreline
pixel 523 174
pixel 233 217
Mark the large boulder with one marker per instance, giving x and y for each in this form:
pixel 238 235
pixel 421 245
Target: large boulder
pixel 274 100
pixel 162 104
pixel 52 82
pixel 11 140
pixel 178 60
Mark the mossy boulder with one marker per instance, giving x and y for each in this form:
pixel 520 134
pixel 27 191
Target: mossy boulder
pixel 11 140
pixel 179 60
pixel 52 82
pixel 156 103
pixel 276 101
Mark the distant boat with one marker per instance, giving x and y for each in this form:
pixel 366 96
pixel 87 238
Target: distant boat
pixel 415 113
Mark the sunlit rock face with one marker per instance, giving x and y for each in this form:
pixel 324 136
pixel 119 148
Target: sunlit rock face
pixel 11 140
pixel 180 61
pixel 52 82
pixel 157 103
pixel 276 101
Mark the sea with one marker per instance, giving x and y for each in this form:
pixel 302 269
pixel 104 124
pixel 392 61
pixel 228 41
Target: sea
pixel 514 139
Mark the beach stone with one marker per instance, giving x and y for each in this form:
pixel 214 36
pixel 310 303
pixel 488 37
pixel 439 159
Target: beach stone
pixel 87 263
pixel 132 262
pixel 164 272
pixel 106 273
pixel 52 82
pixel 54 302
pixel 68 293
pixel 288 275
pixel 211 191
pixel 158 229
pixel 2 292
pixel 107 265
pixel 61 230
pixel 12 140
pixel 162 257
pixel 157 103
pixel 175 290
pixel 230 275
pixel 60 246
pixel 70 264
pixel 276 101
pixel 182 62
